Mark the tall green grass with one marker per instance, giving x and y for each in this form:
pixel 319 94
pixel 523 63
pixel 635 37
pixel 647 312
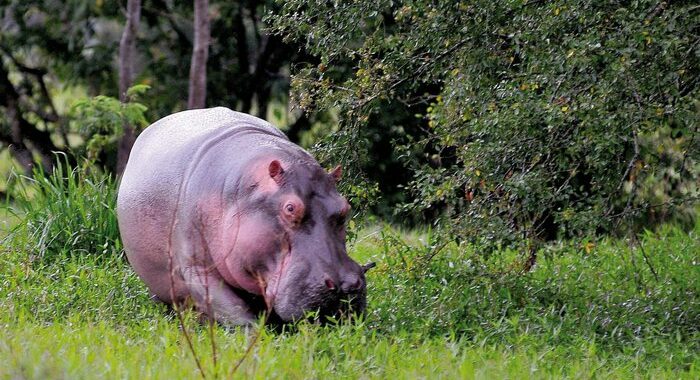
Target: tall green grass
pixel 609 294
pixel 71 307
pixel 67 211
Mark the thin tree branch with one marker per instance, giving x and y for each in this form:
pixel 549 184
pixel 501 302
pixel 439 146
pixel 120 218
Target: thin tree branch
pixel 207 297
pixel 421 69
pixel 176 308
pixel 646 258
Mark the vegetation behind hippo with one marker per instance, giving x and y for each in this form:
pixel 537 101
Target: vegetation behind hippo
pixel 73 307
pixel 535 147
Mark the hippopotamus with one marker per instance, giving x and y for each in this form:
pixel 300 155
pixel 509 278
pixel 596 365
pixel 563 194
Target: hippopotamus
pixel 221 208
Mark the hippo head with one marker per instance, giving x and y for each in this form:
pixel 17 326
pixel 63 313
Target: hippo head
pixel 291 243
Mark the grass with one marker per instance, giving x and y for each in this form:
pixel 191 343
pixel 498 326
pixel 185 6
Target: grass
pixel 7 166
pixel 74 309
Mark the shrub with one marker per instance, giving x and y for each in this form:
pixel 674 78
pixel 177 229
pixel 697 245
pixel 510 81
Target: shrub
pixel 100 121
pixel 536 119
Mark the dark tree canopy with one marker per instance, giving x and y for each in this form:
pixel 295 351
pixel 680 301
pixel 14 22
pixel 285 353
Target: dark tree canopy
pixel 49 47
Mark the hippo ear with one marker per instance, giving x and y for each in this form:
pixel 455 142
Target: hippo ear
pixel 276 171
pixel 336 173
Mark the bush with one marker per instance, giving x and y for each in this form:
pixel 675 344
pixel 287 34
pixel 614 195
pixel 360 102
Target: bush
pixel 101 120
pixel 537 120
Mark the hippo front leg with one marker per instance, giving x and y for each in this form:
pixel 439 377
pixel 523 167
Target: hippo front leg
pixel 215 298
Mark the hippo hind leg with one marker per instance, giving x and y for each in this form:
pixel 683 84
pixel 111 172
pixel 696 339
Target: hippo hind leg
pixel 145 237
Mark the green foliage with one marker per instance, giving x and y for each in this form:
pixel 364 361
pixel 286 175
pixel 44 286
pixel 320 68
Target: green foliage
pixel 101 120
pixel 661 191
pixel 64 213
pixel 361 193
pixel 532 120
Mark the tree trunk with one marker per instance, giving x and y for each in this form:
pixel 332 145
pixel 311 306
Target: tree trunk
pixel 127 46
pixel 301 124
pixel 200 52
pixel 23 138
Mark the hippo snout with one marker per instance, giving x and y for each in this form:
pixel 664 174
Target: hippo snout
pixel 324 291
pixel 350 283
pixel 345 293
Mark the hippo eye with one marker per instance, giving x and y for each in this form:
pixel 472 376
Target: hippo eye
pixel 339 220
pixel 293 211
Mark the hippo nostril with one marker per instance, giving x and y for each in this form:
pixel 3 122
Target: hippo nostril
pixel 358 284
pixel 329 284
pixel 352 285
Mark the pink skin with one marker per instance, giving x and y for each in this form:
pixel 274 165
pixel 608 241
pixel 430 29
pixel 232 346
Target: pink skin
pixel 230 210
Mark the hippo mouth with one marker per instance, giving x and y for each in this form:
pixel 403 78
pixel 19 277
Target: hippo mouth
pixel 343 307
pixel 316 304
pixel 332 310
pixel 334 307
pixel 321 306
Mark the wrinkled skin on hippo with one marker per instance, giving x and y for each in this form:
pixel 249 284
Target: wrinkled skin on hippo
pixel 222 208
